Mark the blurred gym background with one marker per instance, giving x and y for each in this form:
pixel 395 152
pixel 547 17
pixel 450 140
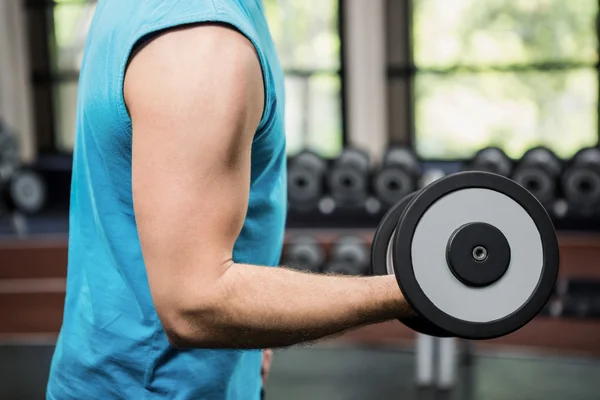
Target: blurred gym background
pixel 383 97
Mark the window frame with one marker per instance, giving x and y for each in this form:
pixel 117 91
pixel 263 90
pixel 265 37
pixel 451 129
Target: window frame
pixel 406 72
pixel 44 80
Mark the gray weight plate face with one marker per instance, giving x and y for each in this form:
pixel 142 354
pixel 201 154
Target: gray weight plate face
pixel 492 160
pixel 582 186
pixel 537 182
pixel 305 255
pixel 589 156
pixel 445 291
pixel 351 250
pixel 348 185
pixel 403 158
pixel 543 158
pixel 392 184
pixel 27 192
pixel 354 158
pixel 310 161
pixel 303 185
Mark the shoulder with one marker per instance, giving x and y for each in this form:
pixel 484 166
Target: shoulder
pixel 186 66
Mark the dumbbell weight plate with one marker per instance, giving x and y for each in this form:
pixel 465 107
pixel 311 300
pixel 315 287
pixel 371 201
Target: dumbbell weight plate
pixel 380 254
pixel 27 192
pixel 492 159
pixel 348 185
pixel 306 179
pixel 536 181
pixel 422 245
pixel 392 184
pixel 304 186
pixel 304 254
pixel 582 186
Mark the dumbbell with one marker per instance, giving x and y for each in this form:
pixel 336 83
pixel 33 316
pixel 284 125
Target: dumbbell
pixel 349 256
pixel 9 153
pixel 474 253
pixel 581 180
pixel 538 172
pixel 306 180
pixel 576 307
pixel 304 253
pixel 349 178
pixel 399 175
pixel 492 159
pixel 25 192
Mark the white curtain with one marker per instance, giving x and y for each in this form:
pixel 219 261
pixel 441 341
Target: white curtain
pixel 15 84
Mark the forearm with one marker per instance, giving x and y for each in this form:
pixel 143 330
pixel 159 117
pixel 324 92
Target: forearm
pixel 260 307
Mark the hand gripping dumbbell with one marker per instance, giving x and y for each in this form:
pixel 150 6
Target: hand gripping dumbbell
pixel 581 180
pixel 306 180
pixel 349 178
pixel 474 253
pixel 399 175
pixel 538 172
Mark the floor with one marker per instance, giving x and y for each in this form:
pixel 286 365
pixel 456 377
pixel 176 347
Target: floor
pixel 327 372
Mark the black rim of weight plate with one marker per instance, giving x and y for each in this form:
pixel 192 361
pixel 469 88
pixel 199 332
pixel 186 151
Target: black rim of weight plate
pixel 383 234
pixel 381 239
pixel 402 257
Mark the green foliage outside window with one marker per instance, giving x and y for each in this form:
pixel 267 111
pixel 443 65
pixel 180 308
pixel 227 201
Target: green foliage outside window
pixel 513 73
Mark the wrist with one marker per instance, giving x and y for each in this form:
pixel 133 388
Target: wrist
pixel 390 302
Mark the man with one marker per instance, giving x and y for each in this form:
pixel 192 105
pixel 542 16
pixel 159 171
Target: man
pixel 178 207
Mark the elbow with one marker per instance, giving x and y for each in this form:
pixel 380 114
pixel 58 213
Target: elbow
pixel 179 336
pixel 190 327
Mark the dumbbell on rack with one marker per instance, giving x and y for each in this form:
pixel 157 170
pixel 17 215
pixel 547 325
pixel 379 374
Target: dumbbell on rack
pixel 349 256
pixel 306 180
pixel 304 253
pixel 399 175
pixel 349 179
pixel 25 192
pixel 538 171
pixel 474 253
pixel 581 182
pixel 580 298
pixel 491 159
pixel 22 190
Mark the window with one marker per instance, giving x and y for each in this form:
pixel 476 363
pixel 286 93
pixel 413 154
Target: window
pixel 71 22
pixel 513 74
pixel 307 38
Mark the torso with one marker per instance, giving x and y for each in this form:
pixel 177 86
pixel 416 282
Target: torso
pixel 112 344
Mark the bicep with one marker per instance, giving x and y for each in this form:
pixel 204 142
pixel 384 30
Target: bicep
pixel 193 124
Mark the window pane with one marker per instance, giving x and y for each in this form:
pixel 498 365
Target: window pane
pixel 500 32
pixel 313 114
pixel 325 122
pixel 65 110
pixel 457 114
pixel 72 21
pixel 295 100
pixel 305 32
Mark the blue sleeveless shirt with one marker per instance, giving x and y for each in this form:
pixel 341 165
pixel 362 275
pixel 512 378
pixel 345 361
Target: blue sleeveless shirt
pixel 111 344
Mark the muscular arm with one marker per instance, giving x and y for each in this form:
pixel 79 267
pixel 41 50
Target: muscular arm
pixel 196 97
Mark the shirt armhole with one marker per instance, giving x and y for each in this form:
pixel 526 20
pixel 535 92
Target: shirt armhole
pixel 148 32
